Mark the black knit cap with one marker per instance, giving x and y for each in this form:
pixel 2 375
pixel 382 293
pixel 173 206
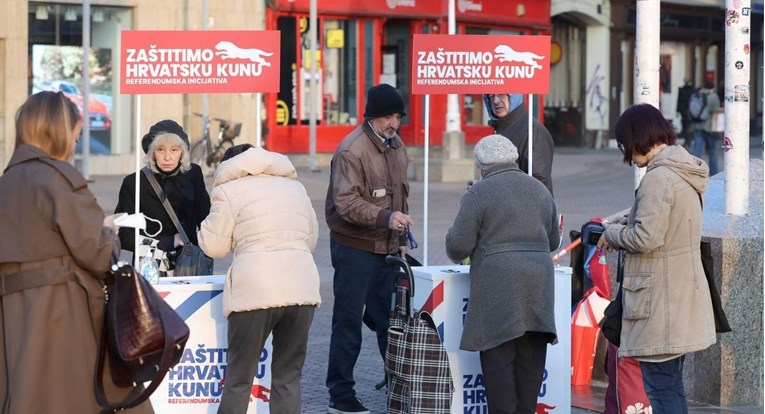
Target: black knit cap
pixel 167 125
pixel 383 100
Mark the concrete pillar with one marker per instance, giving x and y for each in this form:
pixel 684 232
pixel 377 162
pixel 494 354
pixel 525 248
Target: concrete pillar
pixel 647 35
pixel 729 373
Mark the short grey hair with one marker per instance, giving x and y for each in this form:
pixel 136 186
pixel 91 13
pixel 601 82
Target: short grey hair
pixel 173 139
pixel 494 149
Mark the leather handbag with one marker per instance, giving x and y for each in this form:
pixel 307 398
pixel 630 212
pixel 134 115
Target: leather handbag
pixel 611 326
pixel 191 260
pixel 142 336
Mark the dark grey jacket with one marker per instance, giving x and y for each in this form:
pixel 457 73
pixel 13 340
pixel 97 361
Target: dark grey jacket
pixel 515 126
pixel 507 224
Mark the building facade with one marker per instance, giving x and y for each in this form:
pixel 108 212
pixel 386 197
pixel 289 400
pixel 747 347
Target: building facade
pixel 361 44
pixel 41 49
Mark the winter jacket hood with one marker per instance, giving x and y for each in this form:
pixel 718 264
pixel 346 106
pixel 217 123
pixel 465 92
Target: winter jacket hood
pixel 254 161
pixel 691 169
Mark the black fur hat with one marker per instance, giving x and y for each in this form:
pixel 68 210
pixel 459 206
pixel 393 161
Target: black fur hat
pixel 167 125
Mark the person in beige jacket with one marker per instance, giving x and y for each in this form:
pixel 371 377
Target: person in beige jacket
pixel 261 212
pixel 667 308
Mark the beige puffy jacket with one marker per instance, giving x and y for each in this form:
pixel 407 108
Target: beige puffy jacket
pixel 261 212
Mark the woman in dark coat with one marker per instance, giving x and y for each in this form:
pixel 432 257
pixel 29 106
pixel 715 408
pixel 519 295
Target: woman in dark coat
pixel 56 246
pixel 507 224
pixel 166 146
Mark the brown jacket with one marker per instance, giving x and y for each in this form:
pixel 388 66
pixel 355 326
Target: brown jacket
pixel 54 252
pixel 367 184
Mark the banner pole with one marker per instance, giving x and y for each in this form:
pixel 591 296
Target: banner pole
pixel 137 175
pixel 426 178
pixel 258 121
pixel 531 136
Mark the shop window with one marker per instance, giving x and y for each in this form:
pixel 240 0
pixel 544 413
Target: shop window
pixel 340 74
pixel 56 56
pixel 336 58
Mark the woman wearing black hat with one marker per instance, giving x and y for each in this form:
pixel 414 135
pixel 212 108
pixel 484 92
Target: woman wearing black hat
pixel 166 146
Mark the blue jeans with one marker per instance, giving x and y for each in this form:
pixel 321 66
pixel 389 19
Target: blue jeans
pixel 362 286
pixel 703 139
pixel 663 382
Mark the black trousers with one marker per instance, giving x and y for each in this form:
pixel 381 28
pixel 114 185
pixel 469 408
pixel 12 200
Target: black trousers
pixel 513 372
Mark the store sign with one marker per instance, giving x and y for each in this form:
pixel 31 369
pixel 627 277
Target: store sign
pixel 199 62
pixel 465 64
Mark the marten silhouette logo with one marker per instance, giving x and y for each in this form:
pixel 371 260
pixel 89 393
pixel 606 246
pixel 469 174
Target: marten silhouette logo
pixel 543 408
pixel 228 50
pixel 258 391
pixel 506 53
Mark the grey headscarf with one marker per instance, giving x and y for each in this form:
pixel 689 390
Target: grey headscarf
pixel 494 149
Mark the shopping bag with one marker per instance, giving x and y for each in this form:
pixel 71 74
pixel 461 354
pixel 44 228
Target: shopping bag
pixel 584 339
pixel 626 378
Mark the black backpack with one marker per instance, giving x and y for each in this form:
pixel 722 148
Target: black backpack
pixel 697 107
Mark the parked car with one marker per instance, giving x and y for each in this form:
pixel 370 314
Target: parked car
pixel 100 120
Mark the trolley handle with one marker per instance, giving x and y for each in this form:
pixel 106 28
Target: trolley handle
pixel 399 262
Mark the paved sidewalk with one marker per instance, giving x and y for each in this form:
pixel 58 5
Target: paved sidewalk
pixel 586 183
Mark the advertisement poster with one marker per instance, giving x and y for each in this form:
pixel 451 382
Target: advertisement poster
pixel 466 64
pixel 59 68
pixel 444 292
pixel 195 385
pixel 199 61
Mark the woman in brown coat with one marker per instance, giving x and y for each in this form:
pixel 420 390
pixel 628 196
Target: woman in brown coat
pixel 55 248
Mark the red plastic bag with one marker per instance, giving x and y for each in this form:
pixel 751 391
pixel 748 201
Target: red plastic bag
pixel 625 393
pixel 583 342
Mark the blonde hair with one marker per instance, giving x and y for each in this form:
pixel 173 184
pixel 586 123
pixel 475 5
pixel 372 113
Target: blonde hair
pixel 46 121
pixel 172 139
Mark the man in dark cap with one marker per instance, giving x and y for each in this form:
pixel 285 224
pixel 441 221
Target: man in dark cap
pixel 366 210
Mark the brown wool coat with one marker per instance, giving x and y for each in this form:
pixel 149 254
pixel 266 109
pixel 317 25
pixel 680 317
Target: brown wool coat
pixel 54 251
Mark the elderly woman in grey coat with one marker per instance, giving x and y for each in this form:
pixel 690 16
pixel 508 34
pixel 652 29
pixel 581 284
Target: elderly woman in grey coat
pixel 507 224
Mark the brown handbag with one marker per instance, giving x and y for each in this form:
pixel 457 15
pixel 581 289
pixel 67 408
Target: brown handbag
pixel 142 336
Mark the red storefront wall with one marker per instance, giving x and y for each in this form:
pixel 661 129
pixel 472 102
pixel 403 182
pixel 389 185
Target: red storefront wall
pixel 421 16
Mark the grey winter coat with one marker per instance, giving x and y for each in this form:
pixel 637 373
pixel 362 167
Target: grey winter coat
pixel 507 224
pixel 667 307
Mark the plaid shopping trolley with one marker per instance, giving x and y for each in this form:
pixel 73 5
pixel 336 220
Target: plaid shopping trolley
pixel 416 363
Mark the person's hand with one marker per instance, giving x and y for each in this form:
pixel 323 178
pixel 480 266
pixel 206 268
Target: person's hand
pixel 603 243
pixel 177 240
pixel 399 221
pixel 402 251
pixel 109 221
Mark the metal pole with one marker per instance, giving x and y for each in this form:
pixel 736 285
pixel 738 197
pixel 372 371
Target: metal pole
pixel 452 100
pixel 647 36
pixel 426 167
pixel 86 89
pixel 205 97
pixel 137 174
pixel 314 95
pixel 531 135
pixel 736 142
pixel 258 121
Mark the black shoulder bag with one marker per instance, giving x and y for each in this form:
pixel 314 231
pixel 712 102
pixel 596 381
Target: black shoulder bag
pixel 611 325
pixel 191 261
